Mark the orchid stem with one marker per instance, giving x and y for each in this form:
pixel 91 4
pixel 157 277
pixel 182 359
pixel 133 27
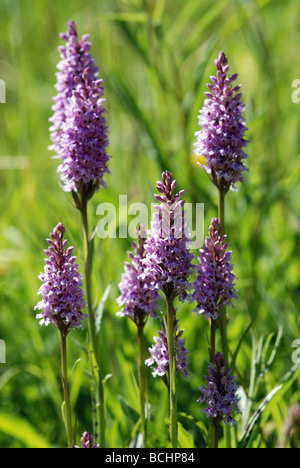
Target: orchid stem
pixel 142 389
pixel 172 373
pixel 66 388
pixel 91 321
pixel 223 320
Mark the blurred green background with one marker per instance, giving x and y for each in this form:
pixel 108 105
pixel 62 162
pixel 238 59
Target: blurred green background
pixel 155 58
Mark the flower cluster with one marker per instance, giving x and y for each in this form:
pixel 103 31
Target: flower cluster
pixel 75 59
pixel 62 297
pixel 220 393
pixel 87 441
pixel 79 130
pixel 221 139
pixel 137 299
pixel 168 261
pixel 160 352
pixel 84 138
pixel 213 287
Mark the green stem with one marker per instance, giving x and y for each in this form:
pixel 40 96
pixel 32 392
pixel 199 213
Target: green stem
pixel 223 320
pixel 91 321
pixel 211 434
pixel 172 373
pixel 212 344
pixel 216 436
pixel 212 347
pixel 222 211
pixel 65 381
pixel 142 384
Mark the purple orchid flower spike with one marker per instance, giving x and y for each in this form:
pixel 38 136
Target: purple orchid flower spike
pixel 137 299
pixel 160 352
pixel 220 393
pixel 214 283
pixel 79 131
pixel 221 140
pixel 62 297
pixel 168 261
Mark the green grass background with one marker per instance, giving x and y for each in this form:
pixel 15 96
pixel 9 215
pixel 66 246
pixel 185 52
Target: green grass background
pixel 155 58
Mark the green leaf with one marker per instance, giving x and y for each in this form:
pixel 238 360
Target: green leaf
pixel 256 416
pixel 20 429
pixel 130 104
pixel 158 11
pixel 235 354
pixel 131 17
pixel 185 439
pixel 268 364
pixel 128 411
pixel 196 428
pixel 265 407
pixel 286 382
pixel 100 309
pixel 134 42
pixel 106 378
